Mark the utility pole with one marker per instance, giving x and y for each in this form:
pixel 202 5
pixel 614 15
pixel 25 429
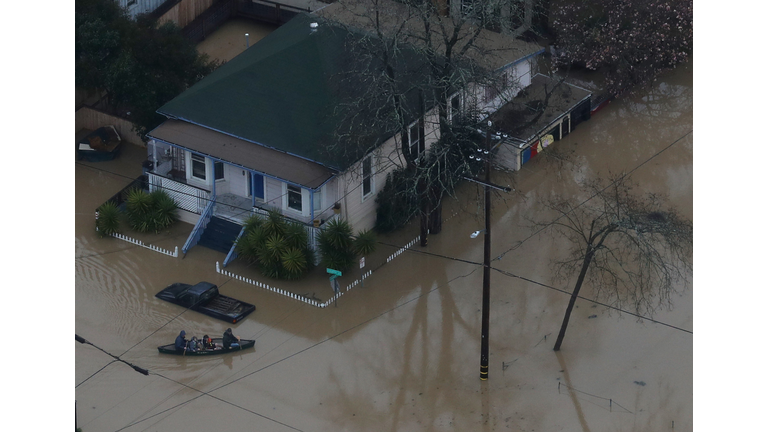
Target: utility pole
pixel 487 186
pixel 486 259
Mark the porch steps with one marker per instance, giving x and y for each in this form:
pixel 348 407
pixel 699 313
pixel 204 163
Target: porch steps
pixel 219 235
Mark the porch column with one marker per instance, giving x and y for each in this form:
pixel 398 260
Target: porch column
pixel 312 205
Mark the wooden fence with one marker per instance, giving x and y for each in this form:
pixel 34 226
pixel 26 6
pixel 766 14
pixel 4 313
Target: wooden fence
pixel 91 118
pixel 185 11
pixel 210 20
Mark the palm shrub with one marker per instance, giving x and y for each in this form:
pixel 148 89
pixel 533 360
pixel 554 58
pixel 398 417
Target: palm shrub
pixel 339 248
pixel 137 207
pixel 277 247
pixel 163 209
pixel 150 211
pixel 108 222
pixel 365 242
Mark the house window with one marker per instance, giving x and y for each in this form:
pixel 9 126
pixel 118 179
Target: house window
pixel 218 170
pixel 367 176
pixel 198 167
pixel 454 107
pixel 294 198
pixel 415 143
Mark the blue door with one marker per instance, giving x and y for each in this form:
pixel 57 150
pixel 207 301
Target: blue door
pixel 526 155
pixel 256 185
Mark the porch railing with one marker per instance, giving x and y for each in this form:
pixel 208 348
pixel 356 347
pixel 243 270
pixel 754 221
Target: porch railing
pixel 188 197
pixel 139 183
pixel 202 223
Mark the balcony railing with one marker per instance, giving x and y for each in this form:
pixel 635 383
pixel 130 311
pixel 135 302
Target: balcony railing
pixel 188 198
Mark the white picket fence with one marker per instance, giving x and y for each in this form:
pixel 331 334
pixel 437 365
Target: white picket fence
pixel 304 299
pixel 174 254
pixel 404 248
pixel 275 289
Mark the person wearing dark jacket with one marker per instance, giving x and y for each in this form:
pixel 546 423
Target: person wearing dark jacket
pixel 230 339
pixel 194 345
pixel 181 341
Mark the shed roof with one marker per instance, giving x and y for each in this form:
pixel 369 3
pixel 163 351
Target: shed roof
pixel 516 118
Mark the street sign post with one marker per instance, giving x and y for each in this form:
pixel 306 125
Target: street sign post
pixel 362 266
pixel 335 286
pixel 334 283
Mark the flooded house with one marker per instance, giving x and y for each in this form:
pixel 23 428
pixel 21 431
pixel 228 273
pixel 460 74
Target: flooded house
pixel 263 131
pixel 545 112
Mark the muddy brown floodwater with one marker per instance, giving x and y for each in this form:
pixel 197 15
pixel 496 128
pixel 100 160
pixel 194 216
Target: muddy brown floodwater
pixel 402 353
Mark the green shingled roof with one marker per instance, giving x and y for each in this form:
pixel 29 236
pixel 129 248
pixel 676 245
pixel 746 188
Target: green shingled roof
pixel 276 93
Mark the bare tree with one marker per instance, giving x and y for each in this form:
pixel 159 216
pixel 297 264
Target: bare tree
pixel 631 249
pixel 412 56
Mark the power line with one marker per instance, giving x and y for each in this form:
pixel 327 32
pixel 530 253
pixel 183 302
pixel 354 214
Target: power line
pixel 594 195
pixel 479 264
pixel 222 400
pixel 509 274
pixel 298 352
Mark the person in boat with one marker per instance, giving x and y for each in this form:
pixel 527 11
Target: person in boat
pixel 230 340
pixel 208 343
pixel 181 341
pixel 194 345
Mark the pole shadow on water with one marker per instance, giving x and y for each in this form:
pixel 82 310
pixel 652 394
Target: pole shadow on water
pixel 426 380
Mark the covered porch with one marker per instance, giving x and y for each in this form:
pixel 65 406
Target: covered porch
pixel 216 177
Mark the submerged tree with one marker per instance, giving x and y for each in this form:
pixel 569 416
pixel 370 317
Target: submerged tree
pixel 632 40
pixel 631 249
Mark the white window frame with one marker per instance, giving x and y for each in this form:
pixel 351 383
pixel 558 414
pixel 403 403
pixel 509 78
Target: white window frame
pixel 412 143
pixel 371 176
pixel 304 200
pixel 451 114
pixel 193 158
pixel 290 189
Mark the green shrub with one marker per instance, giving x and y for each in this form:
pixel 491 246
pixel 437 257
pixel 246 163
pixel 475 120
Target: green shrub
pixel 150 211
pixel 365 243
pixel 277 247
pixel 397 201
pixel 164 209
pixel 339 248
pixel 108 222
